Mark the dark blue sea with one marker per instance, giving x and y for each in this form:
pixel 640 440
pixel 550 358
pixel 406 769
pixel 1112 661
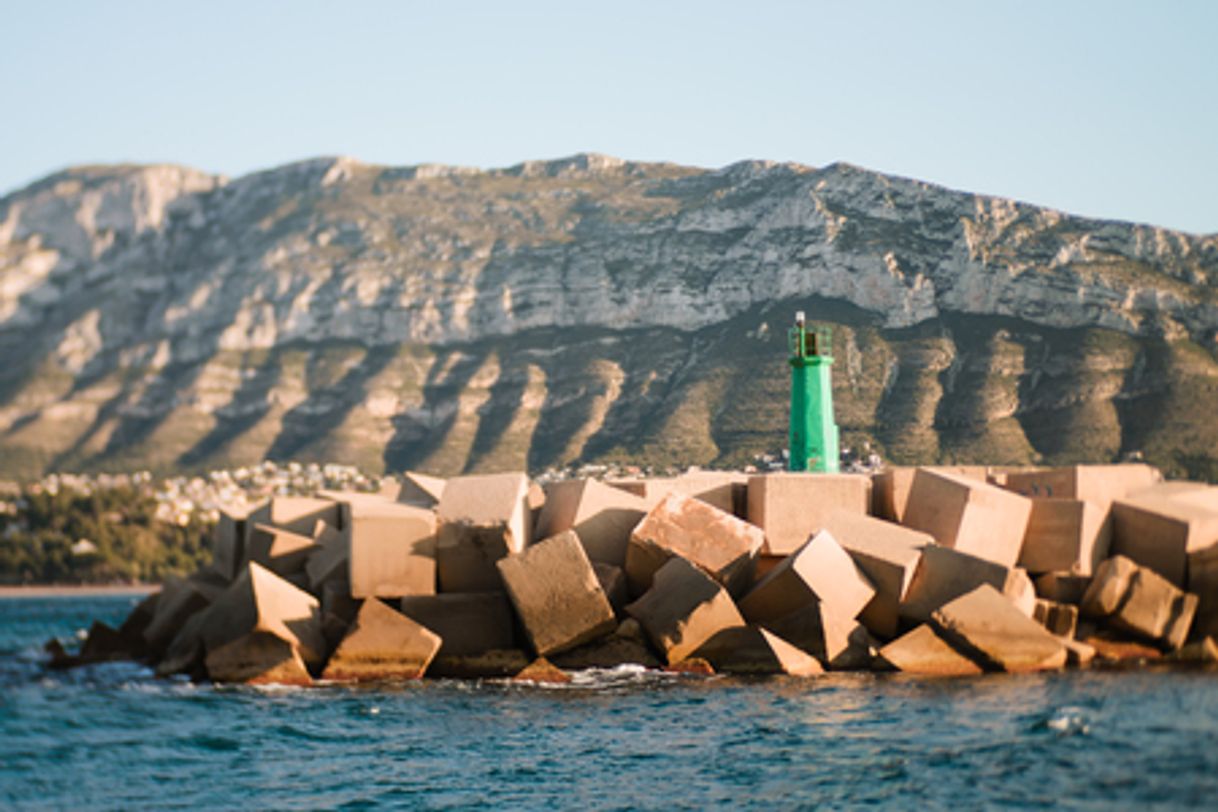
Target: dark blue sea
pixel 114 737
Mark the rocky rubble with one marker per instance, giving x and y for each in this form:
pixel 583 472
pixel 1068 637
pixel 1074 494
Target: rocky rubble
pixel 438 578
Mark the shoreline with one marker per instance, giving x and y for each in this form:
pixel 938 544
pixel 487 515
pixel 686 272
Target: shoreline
pixel 74 590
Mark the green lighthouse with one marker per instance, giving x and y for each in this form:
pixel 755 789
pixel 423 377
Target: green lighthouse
pixel 813 440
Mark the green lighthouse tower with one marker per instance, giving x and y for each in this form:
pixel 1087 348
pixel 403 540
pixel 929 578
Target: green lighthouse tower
pixel 813 440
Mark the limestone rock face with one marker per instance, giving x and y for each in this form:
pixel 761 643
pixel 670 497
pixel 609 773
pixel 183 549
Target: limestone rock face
pixel 551 311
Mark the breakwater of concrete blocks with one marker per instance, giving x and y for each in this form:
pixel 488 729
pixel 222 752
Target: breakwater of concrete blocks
pixel 937 571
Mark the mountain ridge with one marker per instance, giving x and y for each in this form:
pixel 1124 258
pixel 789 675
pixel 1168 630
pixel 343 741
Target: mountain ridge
pixel 149 315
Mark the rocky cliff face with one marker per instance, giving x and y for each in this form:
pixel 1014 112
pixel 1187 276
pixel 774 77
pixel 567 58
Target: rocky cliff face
pixel 582 309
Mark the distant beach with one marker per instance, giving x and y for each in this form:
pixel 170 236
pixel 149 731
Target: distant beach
pixel 79 590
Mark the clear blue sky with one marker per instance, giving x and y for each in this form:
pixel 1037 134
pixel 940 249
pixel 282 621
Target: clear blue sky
pixel 1107 109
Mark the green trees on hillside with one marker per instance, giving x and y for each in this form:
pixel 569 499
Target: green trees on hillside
pixel 107 535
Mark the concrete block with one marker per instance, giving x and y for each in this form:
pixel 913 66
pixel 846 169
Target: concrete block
pixel 258 658
pixel 601 515
pixel 891 487
pixel 469 624
pixel 970 516
pixel 382 644
pixel 281 551
pixel 483 665
pixel 392 549
pixel 683 609
pixel 1060 619
pixel 185 653
pixel 888 554
pixel 651 490
pixel 1098 484
pixel 765 565
pixel 792 507
pixel 923 651
pixel 296 514
pixel 1109 649
pixel 726 490
pixel 724 546
pixel 542 671
pixel 837 641
pixel 1078 653
pixel 137 621
pixel 626 646
pixel 1062 587
pixel 480 519
pixel 1160 531
pixel 331 560
pixel 1200 652
pixel 556 594
pixel 228 542
pixel 819 571
pixel 1065 535
pixel 179 599
pixel 1203 582
pixel 987 626
pixel 420 490
pixel 753 650
pixel 613 582
pixel 261 602
pixel 1137 600
pixel 944 574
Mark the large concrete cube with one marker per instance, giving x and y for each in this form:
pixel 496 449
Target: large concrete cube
pixel 179 599
pixel 888 554
pixel 228 542
pixel 1137 600
pixel 480 519
pixel 1098 484
pixel 944 574
pixel 382 644
pixel 471 623
pixel 281 551
pixel 258 658
pixel 791 507
pixel 602 516
pixel 924 651
pixel 261 602
pixel 723 545
pixel 297 514
pixel 626 646
pixel 420 490
pixel 986 625
pixel 1060 619
pixel 726 490
pixel 754 650
pixel 820 571
pixel 392 548
pixel 651 489
pixel 683 608
pixel 836 641
pixel 1065 535
pixel 970 516
pixel 557 594
pixel 1062 587
pixel 1203 582
pixel 891 487
pixel 331 560
pixel 1159 531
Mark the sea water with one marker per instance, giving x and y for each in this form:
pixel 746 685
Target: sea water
pixel 113 736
